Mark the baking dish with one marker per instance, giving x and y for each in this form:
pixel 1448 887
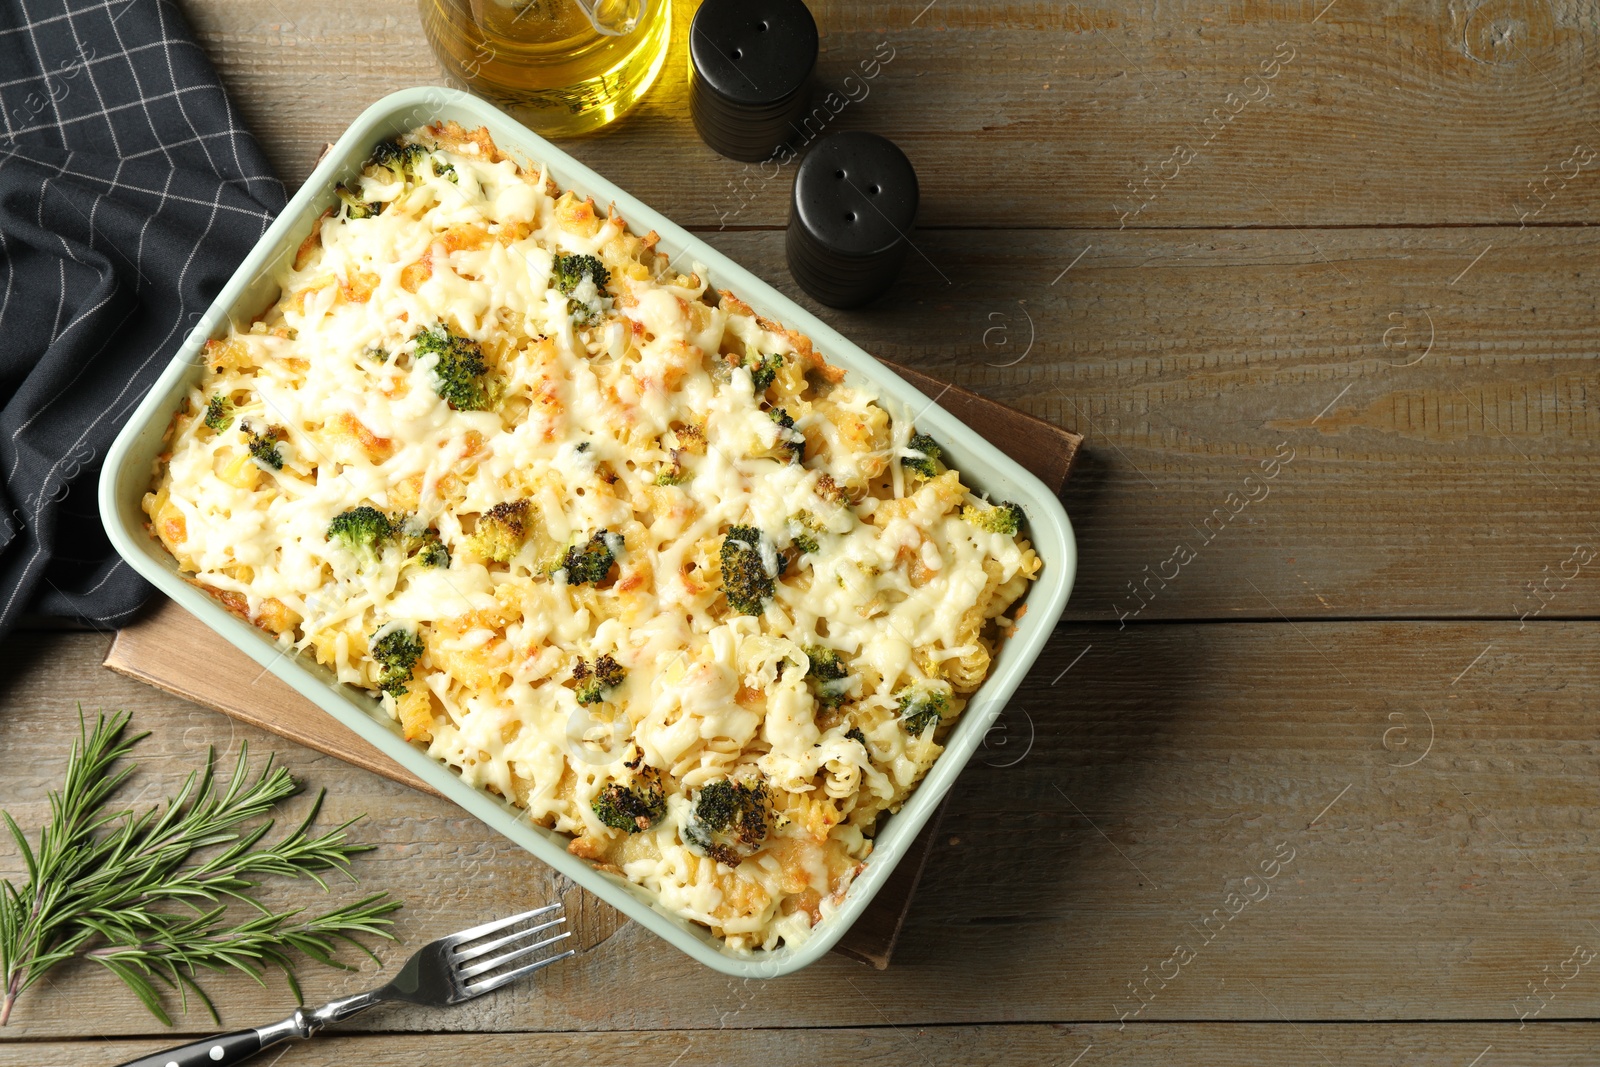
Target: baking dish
pixel 130 463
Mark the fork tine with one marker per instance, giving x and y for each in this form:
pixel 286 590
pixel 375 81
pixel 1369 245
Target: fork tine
pixel 499 980
pixel 464 973
pixel 465 954
pixel 476 932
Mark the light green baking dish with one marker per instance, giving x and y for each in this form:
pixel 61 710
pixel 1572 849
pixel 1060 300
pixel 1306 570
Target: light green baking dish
pixel 130 463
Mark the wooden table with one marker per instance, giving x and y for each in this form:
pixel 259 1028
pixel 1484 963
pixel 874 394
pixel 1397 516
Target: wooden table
pixel 1348 237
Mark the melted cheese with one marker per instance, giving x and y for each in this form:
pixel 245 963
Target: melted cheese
pixel 604 396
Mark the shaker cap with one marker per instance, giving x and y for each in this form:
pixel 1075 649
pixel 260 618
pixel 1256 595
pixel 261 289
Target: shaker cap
pixel 850 217
pixel 750 64
pixel 752 53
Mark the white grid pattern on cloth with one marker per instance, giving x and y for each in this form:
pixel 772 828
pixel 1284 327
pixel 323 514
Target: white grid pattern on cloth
pixel 145 188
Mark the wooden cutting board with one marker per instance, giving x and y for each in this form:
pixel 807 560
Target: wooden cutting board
pixel 172 650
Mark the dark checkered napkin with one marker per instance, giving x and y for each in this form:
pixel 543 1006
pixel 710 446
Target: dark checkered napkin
pixel 128 194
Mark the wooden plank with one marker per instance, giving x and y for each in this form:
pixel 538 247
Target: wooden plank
pixel 1044 449
pixel 1433 780
pixel 1427 481
pixel 1263 1044
pixel 1106 821
pixel 1192 354
pixel 172 650
pixel 1090 115
pixel 1443 434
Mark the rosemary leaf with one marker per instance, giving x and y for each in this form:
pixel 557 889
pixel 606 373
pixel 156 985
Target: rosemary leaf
pixel 147 894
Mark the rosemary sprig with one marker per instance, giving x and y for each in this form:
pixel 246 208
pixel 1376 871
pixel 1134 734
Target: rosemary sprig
pixel 147 894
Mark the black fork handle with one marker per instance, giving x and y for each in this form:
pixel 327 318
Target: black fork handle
pixel 219 1051
pixel 227 1049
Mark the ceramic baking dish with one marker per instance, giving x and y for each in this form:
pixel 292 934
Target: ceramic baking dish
pixel 251 290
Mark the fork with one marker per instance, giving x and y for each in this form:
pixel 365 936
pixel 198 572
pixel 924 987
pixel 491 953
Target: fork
pixel 440 973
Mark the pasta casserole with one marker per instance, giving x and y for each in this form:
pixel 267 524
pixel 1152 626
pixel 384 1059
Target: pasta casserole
pixel 599 537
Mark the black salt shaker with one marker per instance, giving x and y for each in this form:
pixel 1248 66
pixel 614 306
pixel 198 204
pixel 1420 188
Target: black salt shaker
pixel 750 64
pixel 850 218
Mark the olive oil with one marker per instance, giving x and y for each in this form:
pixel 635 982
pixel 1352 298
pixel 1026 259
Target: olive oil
pixel 546 60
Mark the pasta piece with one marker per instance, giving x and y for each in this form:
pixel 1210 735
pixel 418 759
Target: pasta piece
pixel 604 540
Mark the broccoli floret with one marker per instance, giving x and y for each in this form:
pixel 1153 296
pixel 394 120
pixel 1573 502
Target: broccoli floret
pixel 264 447
pixel 594 682
pixel 403 162
pixel 433 553
pixel 377 353
pixel 400 160
pixel 729 820
pixel 570 271
pixel 395 156
pixel 828 675
pixel 355 207
pixel 805 542
pixel 855 734
pixel 458 373
pixel 585 313
pixel 422 543
pixel 921 708
pixel 396 652
pixel 748 578
pixel 501 531
pixel 671 472
pixel 1002 518
pixel 367 530
pixel 590 561
pixel 219 413
pixel 634 807
pixel 692 438
pixel 364 529
pixel 928 463
pixel 609 672
pixel 791 442
pixel 763 370
pixel 829 490
pixel 803 530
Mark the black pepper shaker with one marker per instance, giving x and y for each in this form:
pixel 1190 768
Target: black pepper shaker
pixel 850 218
pixel 750 64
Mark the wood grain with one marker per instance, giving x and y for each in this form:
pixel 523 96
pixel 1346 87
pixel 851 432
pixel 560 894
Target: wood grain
pixel 1427 479
pixel 1106 820
pixel 1258 1044
pixel 1060 115
pixel 1187 354
pixel 1044 449
pixel 169 648
pixel 1275 286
